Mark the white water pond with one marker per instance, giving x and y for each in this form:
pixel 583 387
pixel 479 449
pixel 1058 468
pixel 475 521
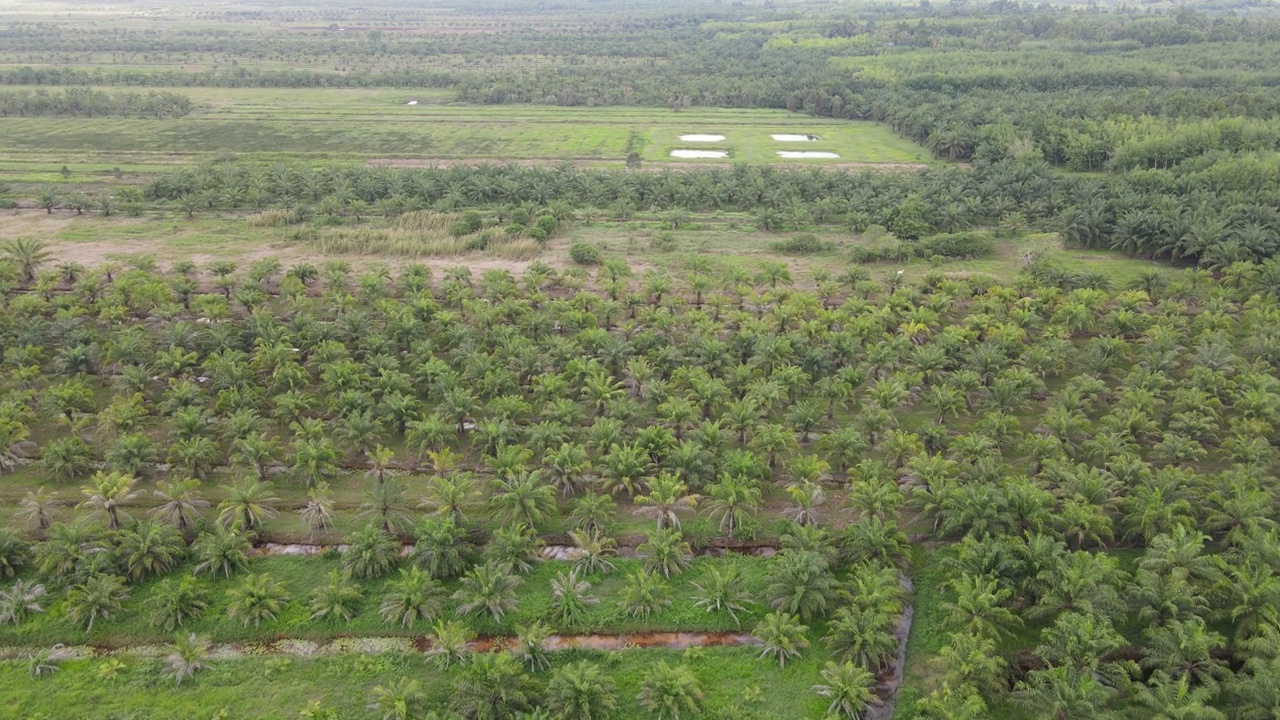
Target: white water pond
pixel 808 155
pixel 795 138
pixel 691 154
pixel 701 138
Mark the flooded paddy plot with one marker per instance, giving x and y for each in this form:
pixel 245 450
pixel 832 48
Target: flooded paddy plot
pixel 700 154
pixel 807 155
pixel 795 138
pixel 702 138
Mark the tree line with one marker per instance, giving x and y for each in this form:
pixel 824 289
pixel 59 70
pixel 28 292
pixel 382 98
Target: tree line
pixel 87 102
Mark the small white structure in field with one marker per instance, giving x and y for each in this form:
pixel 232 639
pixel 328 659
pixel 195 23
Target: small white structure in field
pixel 412 102
pixel 701 138
pixel 795 138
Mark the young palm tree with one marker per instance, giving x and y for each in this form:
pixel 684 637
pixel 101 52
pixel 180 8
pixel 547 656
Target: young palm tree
pixel 401 700
pixel 442 549
pixel 671 692
pixel 644 594
pixel 570 598
pixel 105 493
pixel 20 601
pixel 801 584
pixel 98 598
pixel 37 508
pixel 179 505
pixel 849 688
pixel 722 591
pixel 223 552
pixel 317 514
pixel 450 495
pixel 524 498
pixel 338 597
pixel 579 691
pixel 411 597
pixel 15 552
pixel 177 600
pixel 514 546
pixel 593 513
pixel 450 643
pixel 27 255
pixel 257 598
pixel 371 553
pixel 247 505
pixel 734 499
pixel 492 686
pixel 384 502
pixel 189 656
pixel 666 552
pixel 150 548
pixel 806 497
pixel 979 607
pixel 596 550
pixel 784 637
pixel 487 588
pixel 864 636
pixel 667 495
pixel 531 645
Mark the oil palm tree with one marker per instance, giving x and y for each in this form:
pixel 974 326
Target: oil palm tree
pixel 667 495
pixel 247 505
pixel 849 689
pixel 579 691
pixel 100 597
pixel 179 505
pixel 488 588
pixel 783 637
pixel 337 598
pixel 106 492
pixel 571 598
pixel 175 601
pixel 410 598
pixel 721 591
pixel 259 597
pixel 671 692
pixel 190 655
pixel 224 551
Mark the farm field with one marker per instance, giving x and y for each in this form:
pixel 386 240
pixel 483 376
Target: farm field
pixel 348 125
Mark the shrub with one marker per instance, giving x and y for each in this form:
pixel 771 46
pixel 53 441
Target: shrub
pixel 584 254
pixel 957 245
pixel 663 242
pixel 459 229
pixel 802 244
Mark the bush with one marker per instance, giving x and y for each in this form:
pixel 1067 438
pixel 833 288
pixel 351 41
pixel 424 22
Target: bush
pixel 957 245
pixel 663 242
pixel 803 244
pixel 584 254
pixel 459 229
pixel 479 241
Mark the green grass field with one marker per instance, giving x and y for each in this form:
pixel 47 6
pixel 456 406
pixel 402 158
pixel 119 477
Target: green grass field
pixel 361 125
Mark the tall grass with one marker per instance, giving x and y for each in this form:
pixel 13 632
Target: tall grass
pixel 419 234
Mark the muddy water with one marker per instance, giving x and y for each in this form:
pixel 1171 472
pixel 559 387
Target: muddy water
pixel 706 154
pixel 807 155
pixel 547 552
pixel 890 682
pixel 296 647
